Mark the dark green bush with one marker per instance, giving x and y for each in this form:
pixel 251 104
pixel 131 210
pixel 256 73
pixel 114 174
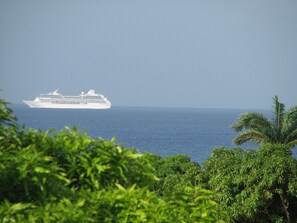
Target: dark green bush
pixel 255 185
pixel 175 172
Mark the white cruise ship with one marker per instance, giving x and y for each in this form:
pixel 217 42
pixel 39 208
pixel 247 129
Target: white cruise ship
pixel 90 100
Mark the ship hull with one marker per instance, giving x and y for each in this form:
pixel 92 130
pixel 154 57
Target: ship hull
pixel 38 104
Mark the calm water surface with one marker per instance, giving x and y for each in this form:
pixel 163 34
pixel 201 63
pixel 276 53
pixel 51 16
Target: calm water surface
pixel 164 131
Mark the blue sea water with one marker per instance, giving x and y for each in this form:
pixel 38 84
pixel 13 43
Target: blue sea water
pixel 163 131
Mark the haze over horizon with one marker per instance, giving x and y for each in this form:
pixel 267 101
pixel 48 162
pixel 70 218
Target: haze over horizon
pixel 170 53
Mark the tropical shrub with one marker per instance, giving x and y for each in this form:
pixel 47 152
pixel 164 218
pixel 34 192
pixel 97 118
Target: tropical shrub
pixel 141 205
pixel 67 176
pixel 119 205
pixel 175 172
pixel 255 185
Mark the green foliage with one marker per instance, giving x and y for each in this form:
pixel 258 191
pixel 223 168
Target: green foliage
pixel 119 205
pixel 175 172
pixel 141 205
pixel 96 164
pixel 63 210
pixel 282 129
pixel 8 125
pixel 30 175
pixel 7 117
pixel 67 176
pixel 255 186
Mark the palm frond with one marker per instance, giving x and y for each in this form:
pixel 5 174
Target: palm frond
pixel 291 137
pixel 290 124
pixel 251 135
pixel 278 111
pixel 292 143
pixel 252 120
pixel 290 118
pixel 282 129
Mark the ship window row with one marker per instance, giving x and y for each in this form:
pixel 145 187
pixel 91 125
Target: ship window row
pixel 70 100
pixel 69 97
pixel 91 97
pixel 64 102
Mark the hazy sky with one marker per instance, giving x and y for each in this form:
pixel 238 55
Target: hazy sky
pixel 177 53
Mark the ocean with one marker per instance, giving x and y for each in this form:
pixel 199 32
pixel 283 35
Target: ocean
pixel 163 131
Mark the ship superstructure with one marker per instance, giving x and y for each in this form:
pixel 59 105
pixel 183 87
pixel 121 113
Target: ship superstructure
pixel 90 100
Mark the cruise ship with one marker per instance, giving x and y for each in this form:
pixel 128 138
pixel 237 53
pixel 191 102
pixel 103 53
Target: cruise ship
pixel 90 100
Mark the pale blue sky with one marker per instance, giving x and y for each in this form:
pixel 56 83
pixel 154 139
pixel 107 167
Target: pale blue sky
pixel 177 53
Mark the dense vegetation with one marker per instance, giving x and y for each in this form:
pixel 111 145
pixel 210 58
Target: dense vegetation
pixel 67 176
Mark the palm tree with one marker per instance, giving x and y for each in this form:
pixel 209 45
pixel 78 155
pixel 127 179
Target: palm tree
pixel 281 129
